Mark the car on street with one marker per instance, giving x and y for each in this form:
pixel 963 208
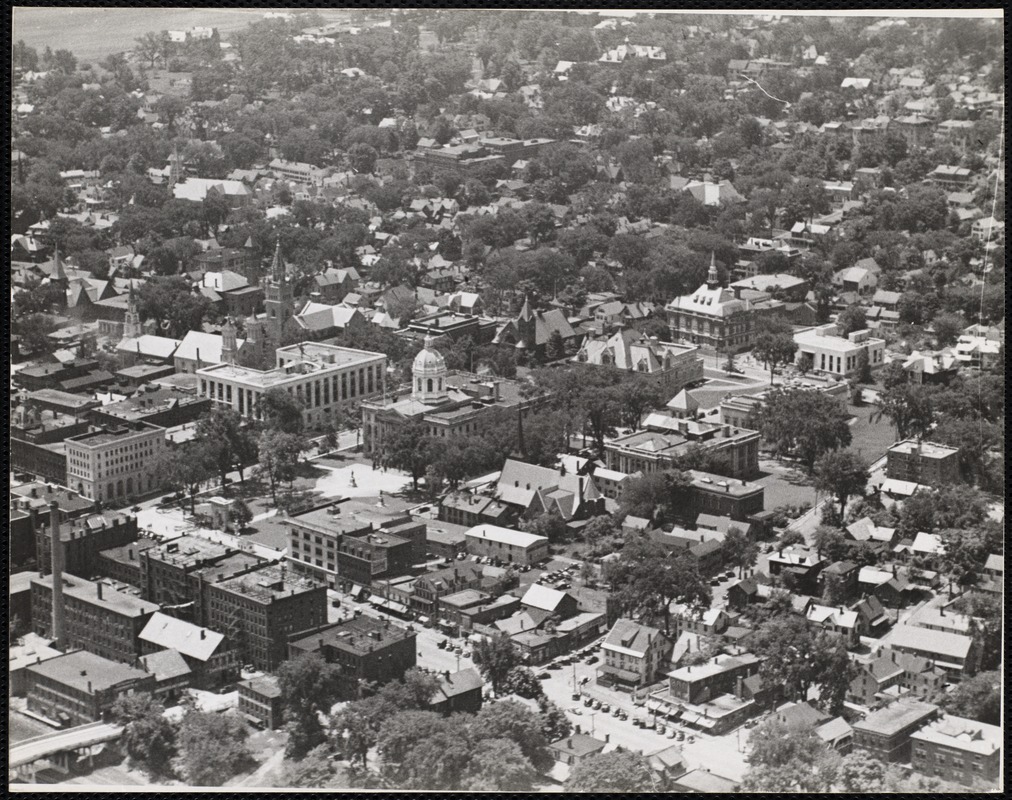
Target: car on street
pixel 597 705
pixel 715 582
pixel 544 676
pixel 605 707
pixel 576 710
pixel 555 666
pixel 588 701
pixel 593 660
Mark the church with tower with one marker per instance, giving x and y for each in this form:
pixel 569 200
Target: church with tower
pixel 268 331
pixel 449 403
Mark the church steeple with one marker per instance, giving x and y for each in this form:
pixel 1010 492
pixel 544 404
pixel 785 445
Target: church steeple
pixel 278 265
pixel 59 274
pixel 712 278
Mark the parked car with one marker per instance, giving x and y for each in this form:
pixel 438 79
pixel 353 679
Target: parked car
pixel 593 660
pixel 661 729
pixel 597 705
pixel 715 582
pixel 605 707
pixel 544 676
pixel 588 701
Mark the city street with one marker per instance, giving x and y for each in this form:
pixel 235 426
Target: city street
pixel 706 750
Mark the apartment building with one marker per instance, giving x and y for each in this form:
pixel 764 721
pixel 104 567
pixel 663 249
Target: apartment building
pixel 633 655
pixel 926 463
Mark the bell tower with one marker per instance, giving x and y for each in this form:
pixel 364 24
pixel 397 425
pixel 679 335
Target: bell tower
pixel 279 299
pixel 131 320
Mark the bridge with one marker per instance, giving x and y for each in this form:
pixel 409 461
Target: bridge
pixel 57 747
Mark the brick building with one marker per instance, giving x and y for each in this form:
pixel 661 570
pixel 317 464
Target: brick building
pixel 885 734
pixel 365 649
pixel 97 618
pixel 260 610
pixel 260 702
pixel 352 542
pixel 81 687
pixel 179 573
pixel 958 750
pixel 83 540
pixel 925 463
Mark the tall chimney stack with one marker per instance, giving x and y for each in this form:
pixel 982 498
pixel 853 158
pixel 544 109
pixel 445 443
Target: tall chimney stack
pixel 56 548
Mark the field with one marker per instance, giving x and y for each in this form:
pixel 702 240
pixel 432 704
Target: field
pixel 91 34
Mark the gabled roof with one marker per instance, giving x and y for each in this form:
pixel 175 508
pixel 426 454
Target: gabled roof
pixel 630 638
pixel 542 597
pixel 176 634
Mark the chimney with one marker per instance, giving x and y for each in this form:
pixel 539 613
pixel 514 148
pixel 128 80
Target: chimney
pixel 98 590
pixel 446 675
pixel 607 737
pixel 941 611
pixel 738 684
pixel 89 687
pixel 203 634
pixel 56 550
pixel 569 742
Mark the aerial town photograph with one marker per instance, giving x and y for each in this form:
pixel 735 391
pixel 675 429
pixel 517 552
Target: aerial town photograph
pixel 506 401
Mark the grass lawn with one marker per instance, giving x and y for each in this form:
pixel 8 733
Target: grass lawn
pixel 870 439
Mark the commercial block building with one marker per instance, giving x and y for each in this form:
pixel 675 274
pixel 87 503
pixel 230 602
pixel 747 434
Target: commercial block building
pixel 260 610
pixel 365 649
pixel 664 438
pixel 352 542
pixel 97 618
pixel 81 687
pixel 180 572
pixel 115 463
pixel 633 655
pixel 209 656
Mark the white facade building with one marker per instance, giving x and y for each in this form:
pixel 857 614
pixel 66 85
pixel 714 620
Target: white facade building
pixel 113 463
pixel 826 351
pixel 321 377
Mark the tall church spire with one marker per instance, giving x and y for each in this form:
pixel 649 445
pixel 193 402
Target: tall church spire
pixel 712 278
pixel 278 264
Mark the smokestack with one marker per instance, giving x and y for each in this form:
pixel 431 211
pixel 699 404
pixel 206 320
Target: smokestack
pixel 56 555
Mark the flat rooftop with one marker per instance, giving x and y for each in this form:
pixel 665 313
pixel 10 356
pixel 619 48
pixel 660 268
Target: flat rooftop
pixel 189 551
pixel 269 583
pixel 85 671
pixel 924 449
pixel 107 435
pixel 87 591
pixel 350 517
pixel 358 635
pixel 895 717
pixel 150 401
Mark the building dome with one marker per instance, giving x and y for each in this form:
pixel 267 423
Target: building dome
pixel 428 361
pixel 428 373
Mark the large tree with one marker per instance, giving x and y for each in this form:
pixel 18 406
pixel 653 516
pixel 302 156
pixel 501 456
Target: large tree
pixel 842 473
pixel 908 406
pixel 802 423
pixel 406 447
pixel 739 550
pixel 774 343
pixel 646 578
pixel 496 657
pixel 278 458
pixel 280 411
pixel 212 747
pixel 788 758
pixel 229 443
pixel 149 737
pixel 309 686
pixel 977 698
pixel 616 773
pixel 508 719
